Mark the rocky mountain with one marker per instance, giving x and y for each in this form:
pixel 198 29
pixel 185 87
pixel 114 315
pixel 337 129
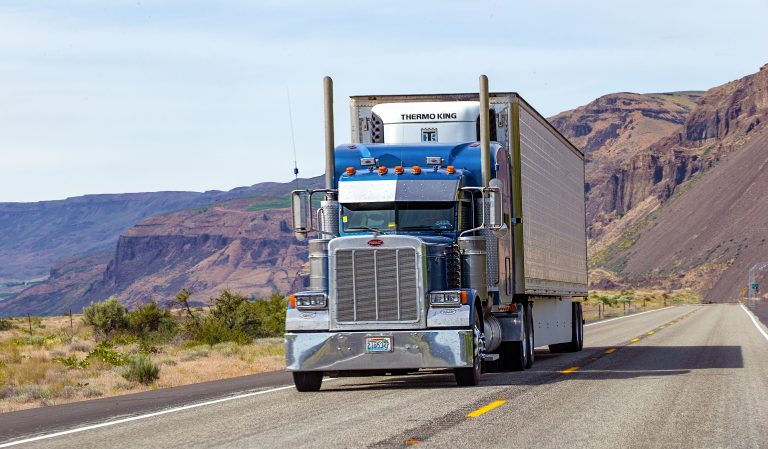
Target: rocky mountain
pixel 166 247
pixel 614 129
pixel 691 202
pixel 35 236
pixel 235 244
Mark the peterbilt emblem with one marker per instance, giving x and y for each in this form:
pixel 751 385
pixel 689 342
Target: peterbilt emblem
pixel 375 242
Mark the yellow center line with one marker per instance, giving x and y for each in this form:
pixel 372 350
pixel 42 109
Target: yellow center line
pixel 662 327
pixel 635 340
pixel 609 351
pixel 486 409
pixel 569 370
pixel 651 332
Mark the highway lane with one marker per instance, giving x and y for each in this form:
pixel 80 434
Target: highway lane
pixel 701 380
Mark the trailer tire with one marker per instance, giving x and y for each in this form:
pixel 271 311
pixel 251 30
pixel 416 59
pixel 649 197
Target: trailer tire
pixel 308 380
pixel 513 355
pixel 577 332
pixel 470 377
pixel 529 334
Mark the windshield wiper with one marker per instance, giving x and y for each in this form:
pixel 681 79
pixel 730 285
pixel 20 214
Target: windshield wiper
pixel 366 228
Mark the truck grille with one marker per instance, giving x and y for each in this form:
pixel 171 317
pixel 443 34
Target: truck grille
pixel 376 285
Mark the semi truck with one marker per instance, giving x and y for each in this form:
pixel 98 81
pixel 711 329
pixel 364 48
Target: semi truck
pixel 450 235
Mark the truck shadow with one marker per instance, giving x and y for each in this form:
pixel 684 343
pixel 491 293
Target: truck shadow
pixel 596 363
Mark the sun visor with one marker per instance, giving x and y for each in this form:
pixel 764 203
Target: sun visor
pixel 386 190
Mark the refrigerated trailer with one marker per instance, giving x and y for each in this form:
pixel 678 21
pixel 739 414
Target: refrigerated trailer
pixel 450 234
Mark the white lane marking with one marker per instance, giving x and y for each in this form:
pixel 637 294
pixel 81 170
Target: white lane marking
pixel 754 321
pixel 627 316
pixel 138 417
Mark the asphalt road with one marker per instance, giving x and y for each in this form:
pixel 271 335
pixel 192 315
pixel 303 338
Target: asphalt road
pixel 690 376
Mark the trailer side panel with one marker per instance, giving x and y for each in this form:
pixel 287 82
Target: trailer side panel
pixel 552 178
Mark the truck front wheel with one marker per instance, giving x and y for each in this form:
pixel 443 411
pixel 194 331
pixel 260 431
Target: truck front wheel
pixel 308 380
pixel 469 377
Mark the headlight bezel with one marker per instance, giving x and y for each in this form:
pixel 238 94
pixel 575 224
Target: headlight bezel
pixel 447 298
pixel 311 301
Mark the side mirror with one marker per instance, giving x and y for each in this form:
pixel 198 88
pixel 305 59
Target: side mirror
pixel 300 207
pixel 495 202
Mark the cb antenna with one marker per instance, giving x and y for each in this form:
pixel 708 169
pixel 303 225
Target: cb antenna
pixel 293 140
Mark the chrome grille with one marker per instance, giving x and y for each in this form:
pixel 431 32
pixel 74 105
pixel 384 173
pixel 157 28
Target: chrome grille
pixel 376 285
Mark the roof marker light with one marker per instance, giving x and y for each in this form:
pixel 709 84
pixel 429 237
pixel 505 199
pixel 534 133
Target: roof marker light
pixel 450 169
pixel 350 171
pixel 416 170
pixel 399 170
pixel 382 170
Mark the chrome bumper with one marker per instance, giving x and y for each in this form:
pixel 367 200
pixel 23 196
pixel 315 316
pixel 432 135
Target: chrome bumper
pixel 339 351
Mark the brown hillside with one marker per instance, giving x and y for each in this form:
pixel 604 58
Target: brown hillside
pixel 725 117
pixel 613 129
pixel 254 253
pixel 234 245
pixel 692 202
pixel 709 235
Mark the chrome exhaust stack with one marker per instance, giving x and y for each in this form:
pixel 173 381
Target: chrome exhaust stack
pixel 485 132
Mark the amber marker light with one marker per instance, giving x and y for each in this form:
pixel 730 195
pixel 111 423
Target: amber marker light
pixel 292 299
pixel 350 171
pixel 382 170
pixel 450 169
pixel 399 169
pixel 463 297
pixel 416 170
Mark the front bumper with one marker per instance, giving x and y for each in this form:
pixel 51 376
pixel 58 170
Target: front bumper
pixel 340 351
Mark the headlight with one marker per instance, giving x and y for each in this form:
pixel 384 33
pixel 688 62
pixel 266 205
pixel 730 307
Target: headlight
pixel 447 299
pixel 312 301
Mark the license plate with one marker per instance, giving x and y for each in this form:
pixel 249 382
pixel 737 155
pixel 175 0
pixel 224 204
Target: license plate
pixel 378 344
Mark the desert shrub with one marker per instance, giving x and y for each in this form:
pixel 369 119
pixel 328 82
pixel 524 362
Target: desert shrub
pixel 33 393
pixel 69 361
pixel 106 317
pixel 141 369
pixel 213 330
pixel 271 313
pixel 234 318
pixel 106 353
pixel 5 325
pixel 34 340
pixel 80 345
pixel 236 312
pixel 151 318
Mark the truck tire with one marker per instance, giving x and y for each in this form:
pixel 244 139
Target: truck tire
pixel 513 355
pixel 470 377
pixel 308 380
pixel 580 320
pixel 577 333
pixel 529 334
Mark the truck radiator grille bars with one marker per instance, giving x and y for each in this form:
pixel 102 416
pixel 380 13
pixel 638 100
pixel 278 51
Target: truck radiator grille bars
pixel 376 285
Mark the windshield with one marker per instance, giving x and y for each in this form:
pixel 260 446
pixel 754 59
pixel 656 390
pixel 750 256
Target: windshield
pixel 399 216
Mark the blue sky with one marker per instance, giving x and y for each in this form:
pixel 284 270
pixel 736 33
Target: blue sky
pixel 113 96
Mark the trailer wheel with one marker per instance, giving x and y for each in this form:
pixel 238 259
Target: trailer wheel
pixel 577 332
pixel 308 380
pixel 529 334
pixel 513 355
pixel 580 326
pixel 469 377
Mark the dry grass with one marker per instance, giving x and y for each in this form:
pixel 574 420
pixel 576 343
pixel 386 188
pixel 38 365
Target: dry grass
pixel 32 373
pixel 603 304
